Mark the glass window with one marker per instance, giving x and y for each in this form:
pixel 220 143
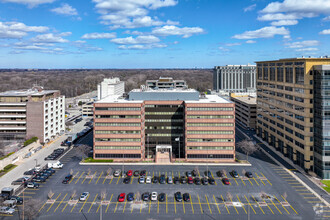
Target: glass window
pixel 289 74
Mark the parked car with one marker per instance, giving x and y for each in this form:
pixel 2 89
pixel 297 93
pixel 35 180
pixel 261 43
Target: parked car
pixel 234 174
pixel 32 185
pixel 121 197
pixel 141 179
pixel 162 179
pixel 143 172
pixel 155 179
pixel 136 173
pixel 176 180
pixel 84 196
pixel 186 197
pixel 189 174
pixel 116 173
pixel 19 181
pixel 205 181
pixel 161 197
pixel 195 173
pixel 221 174
pixel 249 174
pixel 127 180
pixel 18 199
pixel 178 196
pixel 183 180
pixel 130 197
pixel 226 181
pixel 208 174
pixel 29 172
pixel 190 180
pixel 197 181
pixel 169 180
pixel 211 181
pixel 129 173
pixel 6 210
pixel 145 196
pixel 154 196
pixel 148 179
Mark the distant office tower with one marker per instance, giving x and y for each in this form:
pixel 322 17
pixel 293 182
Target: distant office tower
pixel 293 110
pixel 234 78
pixel 110 86
pixel 166 83
pixel 33 112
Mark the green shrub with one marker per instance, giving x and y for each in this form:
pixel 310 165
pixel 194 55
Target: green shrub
pixel 30 141
pixel 1 158
pixel 91 160
pixel 6 169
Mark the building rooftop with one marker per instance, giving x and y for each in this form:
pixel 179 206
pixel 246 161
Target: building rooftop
pixel 322 58
pixel 28 92
pixel 248 100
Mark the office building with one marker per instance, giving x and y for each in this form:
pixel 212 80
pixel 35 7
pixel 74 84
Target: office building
pixel 234 78
pixel 160 124
pixel 245 111
pixel 292 110
pixel 110 86
pixel 32 112
pixel 87 109
pixel 166 83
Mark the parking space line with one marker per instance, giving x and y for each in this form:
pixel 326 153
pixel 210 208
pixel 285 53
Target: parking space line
pixel 214 179
pixel 268 206
pixel 92 203
pixel 84 179
pixel 44 204
pixel 184 210
pixel 216 203
pixel 250 204
pixel 208 204
pixel 242 204
pixel 97 210
pixel 250 181
pixel 65 206
pixel 149 206
pixel 260 179
pixel 276 206
pixel 133 202
pixel 111 180
pixel 109 203
pixel 60 203
pixel 174 205
pixel 73 177
pixel 236 181
pixel 99 178
pixel 114 211
pixel 225 204
pixel 53 203
pixel 258 205
pixel 192 206
pixel 79 177
pixel 124 205
pixel 92 178
pixel 234 206
pixel 83 204
pixel 166 202
pixel 266 178
pixel 157 206
pixel 118 180
pixel 104 179
pixel 132 179
pixel 282 205
pixel 200 205
pixel 306 193
pixel 153 176
pixel 256 181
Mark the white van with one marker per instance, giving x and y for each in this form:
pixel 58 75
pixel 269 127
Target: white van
pixel 55 165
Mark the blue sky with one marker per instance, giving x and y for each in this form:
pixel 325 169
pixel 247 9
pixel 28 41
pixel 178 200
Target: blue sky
pixel 159 33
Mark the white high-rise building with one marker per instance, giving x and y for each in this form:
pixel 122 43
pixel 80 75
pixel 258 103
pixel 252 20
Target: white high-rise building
pixel 110 86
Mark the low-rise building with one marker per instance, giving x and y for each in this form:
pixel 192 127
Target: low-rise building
pixel 166 83
pixel 87 109
pixel 245 111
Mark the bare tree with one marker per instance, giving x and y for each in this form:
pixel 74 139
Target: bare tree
pixel 109 171
pixel 50 194
pixel 83 149
pixel 264 195
pixel 71 171
pixel 103 194
pixel 89 171
pixel 31 209
pixel 138 196
pixel 243 172
pixel 229 196
pixel 74 194
pixel 285 195
pixel 224 172
pixel 248 147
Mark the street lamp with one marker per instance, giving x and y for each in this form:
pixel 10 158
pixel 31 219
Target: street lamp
pixel 178 139
pixel 36 160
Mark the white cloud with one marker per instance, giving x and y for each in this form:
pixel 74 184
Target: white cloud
pixel 147 39
pixel 250 8
pixel 223 49
pixel 304 6
pixel 327 31
pixel 250 41
pixel 301 44
pixel 29 3
pixel 174 30
pixel 65 9
pixel 307 49
pixel 99 36
pixel 130 13
pixel 16 30
pixel 278 16
pixel 265 32
pixel 233 44
pixel 51 38
pixel 326 18
pixel 141 46
pixel 30 47
pixel 284 22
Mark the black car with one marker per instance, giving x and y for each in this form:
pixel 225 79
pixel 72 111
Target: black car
pixel 186 197
pixel 51 170
pixel 176 180
pixel 145 196
pixel 39 179
pixel 249 174
pixel 178 196
pixel 136 173
pixel 18 199
pixel 162 179
pixel 46 174
pixel 208 174
pixel 234 174
pixel 65 181
pixel 211 181
pixel 18 181
pixel 183 180
pixel 162 197
pixel 155 179
pixel 221 174
pixel 143 173
pixel 127 180
pixel 197 181
pixel 130 197
pixel 29 172
pixel 205 181
pixel 68 177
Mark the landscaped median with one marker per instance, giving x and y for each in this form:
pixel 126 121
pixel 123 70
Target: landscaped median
pixel 327 185
pixel 91 160
pixel 6 169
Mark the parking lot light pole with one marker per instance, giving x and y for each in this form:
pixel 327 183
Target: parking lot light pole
pixel 178 139
pixel 36 160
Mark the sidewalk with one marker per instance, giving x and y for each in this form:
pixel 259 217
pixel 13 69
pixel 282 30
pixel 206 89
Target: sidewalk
pixel 171 164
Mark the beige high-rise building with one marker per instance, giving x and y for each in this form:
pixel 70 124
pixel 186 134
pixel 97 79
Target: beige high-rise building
pixel 292 110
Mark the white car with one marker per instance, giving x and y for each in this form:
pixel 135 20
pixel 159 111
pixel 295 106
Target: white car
pixel 84 196
pixel 148 180
pixel 6 210
pixel 116 173
pixel 169 180
pixel 141 180
pixel 154 196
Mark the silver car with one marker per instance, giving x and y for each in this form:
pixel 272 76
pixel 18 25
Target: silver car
pixel 141 179
pixel 84 196
pixel 169 180
pixel 116 173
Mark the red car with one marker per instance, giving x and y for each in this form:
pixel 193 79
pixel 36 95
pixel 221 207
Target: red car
pixel 130 173
pixel 121 197
pixel 190 180
pixel 226 181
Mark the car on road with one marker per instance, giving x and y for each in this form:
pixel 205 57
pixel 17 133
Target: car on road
pixel 186 197
pixel 162 197
pixel 190 180
pixel 176 180
pixel 32 185
pixel 249 174
pixel 234 174
pixel 226 181
pixel 205 181
pixel 130 197
pixel 183 180
pixel 145 196
pixel 136 173
pixel 121 197
pixel 178 196
pixel 129 173
pixel 127 180
pixel 197 181
pixel 84 196
pixel 116 173
pixel 155 179
pixel 169 180
pixel 143 172
pixel 162 179
pixel 141 179
pixel 6 210
pixel 148 179
pixel 154 196
pixel 211 181
pixel 189 174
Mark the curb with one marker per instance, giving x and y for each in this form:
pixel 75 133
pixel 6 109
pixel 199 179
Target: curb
pixel 172 164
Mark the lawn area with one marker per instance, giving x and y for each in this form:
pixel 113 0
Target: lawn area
pixel 6 169
pixel 91 160
pixel 326 182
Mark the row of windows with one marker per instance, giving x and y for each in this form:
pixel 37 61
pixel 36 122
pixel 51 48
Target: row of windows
pixel 164 113
pixel 118 139
pixel 164 135
pixel 210 124
pixel 210 116
pixel 164 120
pixel 116 148
pixel 210 156
pixel 117 155
pixel 116 109
pixel 164 127
pixel 209 140
pixel 210 109
pixel 118 116
pixel 210 132
pixel 163 106
pixel 117 132
pixel 118 124
pixel 211 148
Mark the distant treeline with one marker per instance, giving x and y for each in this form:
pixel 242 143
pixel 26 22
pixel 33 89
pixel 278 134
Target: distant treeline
pixel 79 81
